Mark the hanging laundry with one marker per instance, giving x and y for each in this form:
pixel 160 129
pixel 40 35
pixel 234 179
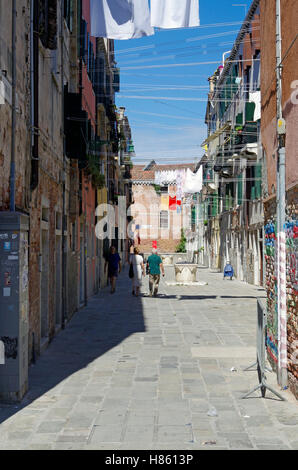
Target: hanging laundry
pixel 172 203
pixel 164 202
pixel 165 177
pixel 256 98
pixel 167 14
pixel 179 184
pixel 157 178
pixel 120 19
pixel 193 181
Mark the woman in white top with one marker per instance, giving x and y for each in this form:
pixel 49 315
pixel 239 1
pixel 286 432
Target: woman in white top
pixel 138 270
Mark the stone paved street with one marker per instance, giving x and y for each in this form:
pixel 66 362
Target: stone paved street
pixel 142 373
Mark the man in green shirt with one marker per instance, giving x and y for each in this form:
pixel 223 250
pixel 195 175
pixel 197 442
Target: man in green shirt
pixel 155 266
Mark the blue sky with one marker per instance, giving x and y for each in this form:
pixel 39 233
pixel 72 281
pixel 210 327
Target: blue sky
pixel 167 117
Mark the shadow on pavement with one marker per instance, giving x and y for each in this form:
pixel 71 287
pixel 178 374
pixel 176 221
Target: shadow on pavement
pixel 205 297
pixel 96 329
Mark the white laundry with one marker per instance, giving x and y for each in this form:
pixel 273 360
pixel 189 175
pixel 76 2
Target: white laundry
pixel 193 181
pixel 167 14
pixel 165 177
pixel 256 98
pixel 120 19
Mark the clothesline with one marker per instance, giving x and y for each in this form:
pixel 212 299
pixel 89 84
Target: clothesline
pixel 151 46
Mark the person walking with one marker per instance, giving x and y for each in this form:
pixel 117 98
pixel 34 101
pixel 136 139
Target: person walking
pixel 136 260
pixel 113 264
pixel 155 267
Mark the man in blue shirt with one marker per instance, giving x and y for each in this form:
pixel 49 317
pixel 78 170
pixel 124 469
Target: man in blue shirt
pixel 155 266
pixel 113 262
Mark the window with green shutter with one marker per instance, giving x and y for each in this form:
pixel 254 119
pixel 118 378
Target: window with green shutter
pixel 253 193
pixel 249 111
pixel 240 190
pixel 214 205
pixel 193 215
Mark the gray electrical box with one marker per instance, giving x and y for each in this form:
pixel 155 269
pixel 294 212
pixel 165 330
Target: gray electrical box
pixel 14 305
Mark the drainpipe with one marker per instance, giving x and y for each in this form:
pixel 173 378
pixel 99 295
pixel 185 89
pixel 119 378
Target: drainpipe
pixel 85 243
pixel 13 109
pixel 281 219
pixel 34 92
pixel 32 69
pixel 64 227
pixel 223 57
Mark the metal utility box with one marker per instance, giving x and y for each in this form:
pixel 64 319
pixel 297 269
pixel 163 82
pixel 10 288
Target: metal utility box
pixel 14 305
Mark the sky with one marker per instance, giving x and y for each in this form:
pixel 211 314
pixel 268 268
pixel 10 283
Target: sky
pixel 164 82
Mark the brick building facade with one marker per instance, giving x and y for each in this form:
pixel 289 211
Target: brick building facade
pixel 289 20
pixel 66 157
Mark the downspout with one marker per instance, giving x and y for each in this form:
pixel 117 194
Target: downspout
pixel 281 216
pixel 13 109
pixel 34 92
pixel 32 70
pixel 64 228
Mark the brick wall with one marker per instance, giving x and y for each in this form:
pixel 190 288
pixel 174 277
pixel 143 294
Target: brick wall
pixel 292 284
pixel 292 290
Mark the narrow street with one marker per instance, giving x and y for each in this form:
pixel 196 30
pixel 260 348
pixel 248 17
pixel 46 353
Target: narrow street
pixel 143 373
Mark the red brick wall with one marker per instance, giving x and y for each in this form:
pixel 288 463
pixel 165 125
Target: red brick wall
pixel 268 87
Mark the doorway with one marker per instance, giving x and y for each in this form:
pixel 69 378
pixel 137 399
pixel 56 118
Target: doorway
pixel 44 296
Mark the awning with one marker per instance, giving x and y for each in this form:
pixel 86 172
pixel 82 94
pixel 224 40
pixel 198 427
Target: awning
pixel 217 133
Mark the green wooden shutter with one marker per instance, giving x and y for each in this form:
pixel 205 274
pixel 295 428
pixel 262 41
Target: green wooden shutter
pixel 240 189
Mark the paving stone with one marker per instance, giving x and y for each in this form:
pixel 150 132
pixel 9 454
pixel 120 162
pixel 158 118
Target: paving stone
pixel 108 433
pixel 174 433
pixel 139 433
pixel 18 435
pixel 113 418
pixel 138 419
pixel 80 420
pixel 51 427
pixel 39 446
pixel 259 421
pixel 166 418
pixel 238 440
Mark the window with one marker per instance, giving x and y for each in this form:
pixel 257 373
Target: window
pixel 247 79
pixel 45 214
pixel 68 13
pixel 84 44
pixel 164 219
pixel 58 221
pixel 73 237
pixel 47 23
pixel 256 71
